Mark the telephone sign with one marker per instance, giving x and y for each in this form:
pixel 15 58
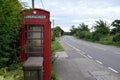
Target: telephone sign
pixel 36 16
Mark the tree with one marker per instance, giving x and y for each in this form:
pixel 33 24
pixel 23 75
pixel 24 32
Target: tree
pixel 57 31
pixel 101 27
pixel 73 30
pixel 83 27
pixel 83 31
pixel 9 32
pixel 116 24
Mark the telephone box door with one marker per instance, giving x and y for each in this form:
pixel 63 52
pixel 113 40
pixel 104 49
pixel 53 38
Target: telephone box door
pixel 34 40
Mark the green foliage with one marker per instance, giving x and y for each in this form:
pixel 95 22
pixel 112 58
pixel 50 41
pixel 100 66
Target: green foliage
pixel 54 76
pixel 83 27
pixel 101 27
pixel 53 36
pixel 96 36
pixel 73 30
pixel 116 24
pixel 84 35
pixel 113 31
pixel 116 38
pixel 16 74
pixel 9 32
pixel 56 46
pixel 100 34
pixel 88 35
pixel 57 31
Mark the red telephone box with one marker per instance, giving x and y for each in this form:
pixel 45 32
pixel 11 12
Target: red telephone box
pixel 35 38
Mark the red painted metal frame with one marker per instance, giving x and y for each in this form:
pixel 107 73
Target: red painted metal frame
pixel 47 37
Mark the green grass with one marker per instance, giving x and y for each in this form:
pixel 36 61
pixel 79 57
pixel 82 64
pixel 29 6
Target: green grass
pixel 54 75
pixel 56 46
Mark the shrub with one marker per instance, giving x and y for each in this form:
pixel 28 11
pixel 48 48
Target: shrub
pixel 116 38
pixel 9 32
pixel 88 35
pixel 80 34
pixel 96 36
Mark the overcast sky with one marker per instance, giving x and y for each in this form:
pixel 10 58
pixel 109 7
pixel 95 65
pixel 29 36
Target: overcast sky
pixel 73 12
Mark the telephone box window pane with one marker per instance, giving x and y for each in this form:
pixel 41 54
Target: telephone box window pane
pixel 35 35
pixel 34 49
pixel 31 27
pixel 35 27
pixel 35 42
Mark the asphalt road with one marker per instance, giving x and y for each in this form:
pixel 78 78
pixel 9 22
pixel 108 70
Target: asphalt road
pixel 109 56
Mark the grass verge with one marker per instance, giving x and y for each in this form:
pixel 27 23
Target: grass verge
pixel 56 46
pixel 105 41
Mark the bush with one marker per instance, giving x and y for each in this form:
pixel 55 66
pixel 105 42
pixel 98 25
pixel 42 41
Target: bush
pixel 9 32
pixel 96 36
pixel 116 38
pixel 88 35
pixel 82 35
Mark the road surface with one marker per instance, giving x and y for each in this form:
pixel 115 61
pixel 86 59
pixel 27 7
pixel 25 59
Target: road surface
pixel 109 56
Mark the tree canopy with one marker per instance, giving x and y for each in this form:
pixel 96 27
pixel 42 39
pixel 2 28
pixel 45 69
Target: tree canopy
pixel 83 27
pixel 101 27
pixel 9 32
pixel 57 31
pixel 116 25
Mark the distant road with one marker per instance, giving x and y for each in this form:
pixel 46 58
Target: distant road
pixel 108 56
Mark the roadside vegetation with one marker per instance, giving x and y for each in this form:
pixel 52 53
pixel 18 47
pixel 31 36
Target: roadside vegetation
pixel 57 32
pixel 10 67
pixel 56 46
pixel 101 32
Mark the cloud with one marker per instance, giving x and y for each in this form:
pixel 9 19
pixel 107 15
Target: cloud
pixel 73 12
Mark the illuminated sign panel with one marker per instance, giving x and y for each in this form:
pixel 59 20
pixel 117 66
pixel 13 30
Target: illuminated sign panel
pixel 35 16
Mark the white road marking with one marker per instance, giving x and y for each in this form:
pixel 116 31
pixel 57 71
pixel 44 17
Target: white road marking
pixel 83 53
pixel 113 70
pixel 89 56
pixel 75 49
pixel 99 62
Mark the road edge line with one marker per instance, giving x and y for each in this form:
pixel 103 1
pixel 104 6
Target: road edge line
pixel 113 70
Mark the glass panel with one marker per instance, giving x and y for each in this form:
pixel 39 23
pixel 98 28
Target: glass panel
pixel 35 35
pixel 42 42
pixel 35 42
pixel 35 27
pixel 34 49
